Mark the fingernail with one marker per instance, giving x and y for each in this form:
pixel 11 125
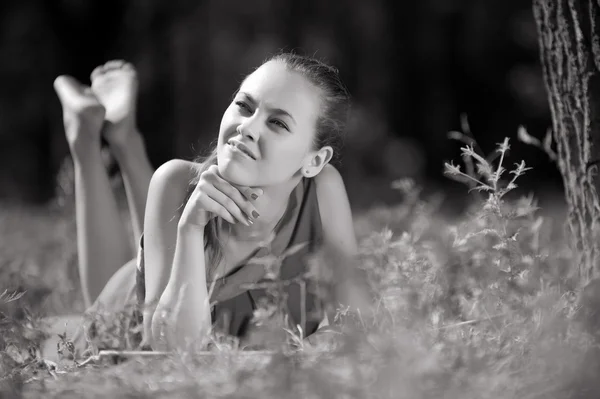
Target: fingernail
pixel 254 196
pixel 255 214
pixel 250 221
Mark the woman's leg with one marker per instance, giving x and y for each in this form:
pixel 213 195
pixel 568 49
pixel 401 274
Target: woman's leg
pixel 116 85
pixel 102 242
pixel 116 295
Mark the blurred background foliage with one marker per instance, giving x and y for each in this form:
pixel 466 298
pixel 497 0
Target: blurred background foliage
pixel 413 68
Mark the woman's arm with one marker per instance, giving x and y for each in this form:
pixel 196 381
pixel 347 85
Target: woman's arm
pixel 339 240
pixel 183 311
pixel 166 195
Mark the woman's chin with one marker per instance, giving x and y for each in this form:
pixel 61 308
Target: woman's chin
pixel 235 174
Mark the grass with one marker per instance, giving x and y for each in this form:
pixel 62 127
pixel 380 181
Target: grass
pixel 485 306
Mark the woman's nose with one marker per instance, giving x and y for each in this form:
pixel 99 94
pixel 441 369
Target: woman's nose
pixel 248 130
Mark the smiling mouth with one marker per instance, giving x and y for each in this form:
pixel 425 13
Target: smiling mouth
pixel 242 150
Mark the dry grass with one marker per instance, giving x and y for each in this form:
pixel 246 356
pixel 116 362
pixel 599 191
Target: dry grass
pixel 481 308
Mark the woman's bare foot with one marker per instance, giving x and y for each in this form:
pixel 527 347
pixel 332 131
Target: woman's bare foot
pixel 83 114
pixel 116 85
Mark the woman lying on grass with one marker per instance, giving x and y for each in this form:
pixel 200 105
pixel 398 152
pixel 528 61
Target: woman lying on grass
pixel 205 224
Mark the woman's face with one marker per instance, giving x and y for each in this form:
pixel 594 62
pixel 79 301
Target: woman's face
pixel 267 132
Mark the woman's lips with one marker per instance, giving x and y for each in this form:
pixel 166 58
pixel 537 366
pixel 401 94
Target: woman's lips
pixel 234 148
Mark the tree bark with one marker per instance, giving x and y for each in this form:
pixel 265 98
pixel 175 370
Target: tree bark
pixel 569 38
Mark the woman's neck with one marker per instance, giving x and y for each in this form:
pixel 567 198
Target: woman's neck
pixel 271 206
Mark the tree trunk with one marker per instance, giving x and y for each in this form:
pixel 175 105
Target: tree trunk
pixel 569 37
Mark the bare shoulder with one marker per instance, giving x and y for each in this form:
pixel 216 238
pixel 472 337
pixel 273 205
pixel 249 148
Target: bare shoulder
pixel 335 211
pixel 176 172
pixel 331 190
pixel 168 190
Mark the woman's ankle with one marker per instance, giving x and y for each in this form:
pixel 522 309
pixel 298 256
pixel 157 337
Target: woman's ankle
pixel 87 156
pixel 129 145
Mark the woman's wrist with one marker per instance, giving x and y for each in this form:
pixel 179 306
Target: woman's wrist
pixel 188 253
pixel 188 226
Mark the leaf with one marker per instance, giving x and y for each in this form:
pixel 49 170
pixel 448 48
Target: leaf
pixel 405 185
pixel 483 187
pixel 294 248
pixel 537 224
pixel 527 138
pixel 484 169
pixel 520 168
pixel 464 123
pixel 452 169
pixel 471 152
pixel 548 140
pixel 499 172
pixel 500 245
pixel 548 145
pixel 6 297
pixel 483 232
pixel 454 135
pixel 504 146
pixel 514 236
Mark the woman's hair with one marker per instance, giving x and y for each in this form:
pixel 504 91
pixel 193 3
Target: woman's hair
pixel 330 129
pixel 335 106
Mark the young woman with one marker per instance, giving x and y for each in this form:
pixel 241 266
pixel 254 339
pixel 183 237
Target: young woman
pixel 205 224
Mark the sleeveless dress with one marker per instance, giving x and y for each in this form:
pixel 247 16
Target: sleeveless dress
pixel 299 232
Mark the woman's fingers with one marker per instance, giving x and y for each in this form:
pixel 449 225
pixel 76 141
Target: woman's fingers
pixel 250 193
pixel 228 204
pixel 240 200
pixel 221 198
pixel 242 196
pixel 213 206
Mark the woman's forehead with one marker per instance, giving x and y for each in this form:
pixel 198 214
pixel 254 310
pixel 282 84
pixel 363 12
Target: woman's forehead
pixel 274 82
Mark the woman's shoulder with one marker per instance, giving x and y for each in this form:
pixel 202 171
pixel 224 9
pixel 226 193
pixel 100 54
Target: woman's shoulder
pixel 334 208
pixel 175 172
pixel 330 185
pixel 170 187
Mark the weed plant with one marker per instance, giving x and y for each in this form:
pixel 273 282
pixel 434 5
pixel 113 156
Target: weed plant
pixel 483 307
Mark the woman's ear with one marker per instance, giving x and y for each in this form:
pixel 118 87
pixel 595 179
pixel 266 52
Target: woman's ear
pixel 316 161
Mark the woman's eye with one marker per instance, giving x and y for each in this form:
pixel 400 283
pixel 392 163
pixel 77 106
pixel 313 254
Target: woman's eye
pixel 279 123
pixel 243 106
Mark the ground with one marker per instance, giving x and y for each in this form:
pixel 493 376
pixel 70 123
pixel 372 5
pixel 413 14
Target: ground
pixel 485 306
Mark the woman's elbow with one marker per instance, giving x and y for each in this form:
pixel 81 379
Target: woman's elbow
pixel 157 334
pixel 176 328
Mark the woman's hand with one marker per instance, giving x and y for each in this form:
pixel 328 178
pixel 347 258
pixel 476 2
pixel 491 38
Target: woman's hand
pixel 167 331
pixel 214 196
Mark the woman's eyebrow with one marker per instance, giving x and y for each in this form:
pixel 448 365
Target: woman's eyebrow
pixel 273 110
